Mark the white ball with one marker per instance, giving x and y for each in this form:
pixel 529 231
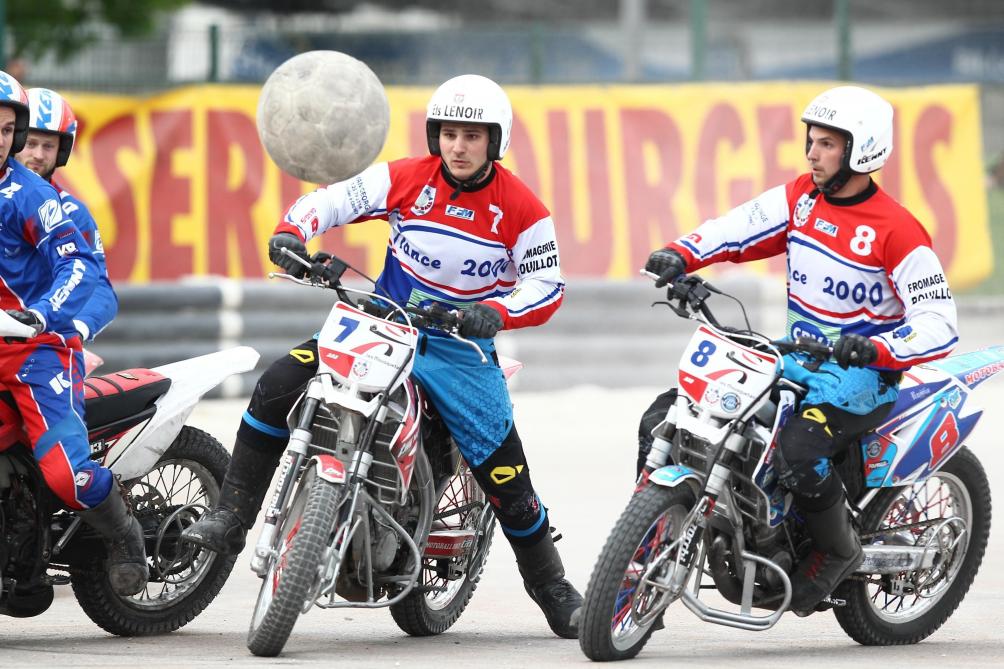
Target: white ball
pixel 323 116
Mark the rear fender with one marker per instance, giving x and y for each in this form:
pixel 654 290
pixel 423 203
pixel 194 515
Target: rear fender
pixel 190 380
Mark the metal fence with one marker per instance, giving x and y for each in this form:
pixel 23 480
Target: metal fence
pixel 890 43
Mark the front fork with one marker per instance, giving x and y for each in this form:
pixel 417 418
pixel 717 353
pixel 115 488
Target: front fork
pixel 296 453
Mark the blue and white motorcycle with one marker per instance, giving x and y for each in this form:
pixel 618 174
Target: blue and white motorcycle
pixel 708 512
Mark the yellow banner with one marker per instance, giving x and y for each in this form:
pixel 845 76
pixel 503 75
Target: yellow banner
pixel 180 184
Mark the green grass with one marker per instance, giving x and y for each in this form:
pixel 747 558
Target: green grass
pixel 994 284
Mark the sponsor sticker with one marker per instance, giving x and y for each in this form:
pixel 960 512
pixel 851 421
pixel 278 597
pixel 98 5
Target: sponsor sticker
pixel 50 214
pixel 826 227
pixel 460 212
pixel 730 402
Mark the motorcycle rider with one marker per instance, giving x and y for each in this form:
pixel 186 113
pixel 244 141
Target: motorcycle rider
pixel 48 273
pixel 52 129
pixel 465 232
pixel 863 277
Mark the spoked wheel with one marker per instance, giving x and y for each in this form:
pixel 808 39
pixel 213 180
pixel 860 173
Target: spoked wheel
pixel 296 566
pixel 948 513
pixel 183 579
pixel 447 585
pixel 609 629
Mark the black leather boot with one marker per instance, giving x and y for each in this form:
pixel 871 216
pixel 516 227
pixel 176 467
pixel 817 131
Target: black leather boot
pixel 127 568
pixel 224 528
pixel 544 580
pixel 836 553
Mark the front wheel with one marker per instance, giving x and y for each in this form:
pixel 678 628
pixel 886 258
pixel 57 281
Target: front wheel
pixel 183 580
pixel 949 512
pixel 650 523
pixel 295 568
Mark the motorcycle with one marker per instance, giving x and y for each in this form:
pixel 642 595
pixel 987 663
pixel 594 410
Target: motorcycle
pixel 374 505
pixel 171 473
pixel 708 504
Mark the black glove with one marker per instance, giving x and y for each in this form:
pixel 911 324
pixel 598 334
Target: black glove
pixel 853 350
pixel 666 264
pixel 480 322
pixel 27 317
pixel 287 240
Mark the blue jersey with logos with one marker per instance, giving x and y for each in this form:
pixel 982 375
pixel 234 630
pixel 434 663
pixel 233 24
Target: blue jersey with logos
pixel 103 306
pixel 46 266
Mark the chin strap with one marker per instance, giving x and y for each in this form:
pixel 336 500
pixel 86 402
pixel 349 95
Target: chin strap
pixel 468 184
pixel 836 182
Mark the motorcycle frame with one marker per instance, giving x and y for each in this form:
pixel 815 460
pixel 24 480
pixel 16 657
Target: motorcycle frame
pixel 352 519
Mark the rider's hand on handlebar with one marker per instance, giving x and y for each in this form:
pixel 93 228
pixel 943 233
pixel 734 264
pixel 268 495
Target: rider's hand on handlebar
pixel 667 264
pixel 27 318
pixel 853 350
pixel 480 322
pixel 287 240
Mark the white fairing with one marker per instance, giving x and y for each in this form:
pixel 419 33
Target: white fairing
pixel 364 351
pixel 726 379
pixel 10 327
pixel 190 380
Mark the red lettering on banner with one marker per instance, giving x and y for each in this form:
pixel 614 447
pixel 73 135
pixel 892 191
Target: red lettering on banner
pixel 290 190
pixel 649 196
pixel 417 139
pixel 934 126
pixel 775 127
pixel 591 256
pixel 229 209
pixel 522 146
pixel 108 141
pixel 891 175
pixel 721 124
pixel 774 123
pixel 169 195
pixel 600 244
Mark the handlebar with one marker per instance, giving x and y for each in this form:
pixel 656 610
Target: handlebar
pixel 807 345
pixel 690 294
pixel 323 270
pixel 433 316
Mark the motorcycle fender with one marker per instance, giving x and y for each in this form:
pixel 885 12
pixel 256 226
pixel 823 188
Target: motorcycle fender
pixel 190 380
pixel 329 468
pixel 673 475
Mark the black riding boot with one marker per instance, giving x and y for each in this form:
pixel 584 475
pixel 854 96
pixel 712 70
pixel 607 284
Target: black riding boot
pixel 127 568
pixel 544 580
pixel 836 553
pixel 224 528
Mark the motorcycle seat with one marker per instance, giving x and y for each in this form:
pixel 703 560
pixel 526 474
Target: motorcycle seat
pixel 112 397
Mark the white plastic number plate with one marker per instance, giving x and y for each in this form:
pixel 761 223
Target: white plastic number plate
pixel 722 376
pixel 363 350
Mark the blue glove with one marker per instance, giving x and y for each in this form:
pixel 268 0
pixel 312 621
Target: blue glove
pixel 666 264
pixel 853 350
pixel 480 322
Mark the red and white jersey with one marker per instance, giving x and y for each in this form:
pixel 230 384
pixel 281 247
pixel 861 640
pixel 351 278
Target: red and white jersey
pixel 494 244
pixel 859 265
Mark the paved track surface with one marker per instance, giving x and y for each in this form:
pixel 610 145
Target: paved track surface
pixel 581 449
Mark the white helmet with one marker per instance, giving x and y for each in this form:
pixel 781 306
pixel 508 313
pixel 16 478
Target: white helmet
pixel 51 114
pixel 13 95
pixel 864 116
pixel 471 98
